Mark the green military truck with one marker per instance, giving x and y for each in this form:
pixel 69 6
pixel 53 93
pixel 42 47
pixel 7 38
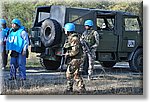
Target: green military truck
pixel 121 35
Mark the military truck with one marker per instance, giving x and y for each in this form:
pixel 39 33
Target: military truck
pixel 121 35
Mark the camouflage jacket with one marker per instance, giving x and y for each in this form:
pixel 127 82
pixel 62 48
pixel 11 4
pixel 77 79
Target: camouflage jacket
pixel 73 46
pixel 91 37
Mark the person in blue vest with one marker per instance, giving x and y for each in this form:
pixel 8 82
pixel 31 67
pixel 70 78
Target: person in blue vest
pixel 17 42
pixel 1 47
pixel 5 30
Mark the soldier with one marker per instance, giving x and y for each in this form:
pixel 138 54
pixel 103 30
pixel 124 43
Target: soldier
pixel 91 37
pixel 73 53
pixel 5 30
pixel 17 42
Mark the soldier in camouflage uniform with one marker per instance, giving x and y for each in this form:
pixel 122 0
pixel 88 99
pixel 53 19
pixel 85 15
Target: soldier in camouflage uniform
pixel 92 40
pixel 73 53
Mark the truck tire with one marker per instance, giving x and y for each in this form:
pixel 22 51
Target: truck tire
pixel 49 64
pixel 51 32
pixel 136 63
pixel 108 63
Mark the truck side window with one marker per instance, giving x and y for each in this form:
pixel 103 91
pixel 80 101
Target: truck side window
pixel 110 22
pixel 73 17
pixel 105 23
pixel 100 23
pixel 131 24
pixel 43 16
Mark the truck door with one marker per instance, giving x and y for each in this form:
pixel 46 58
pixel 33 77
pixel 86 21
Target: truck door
pixel 131 33
pixel 105 27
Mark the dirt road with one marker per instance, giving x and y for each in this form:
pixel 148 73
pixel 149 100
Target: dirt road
pixel 118 80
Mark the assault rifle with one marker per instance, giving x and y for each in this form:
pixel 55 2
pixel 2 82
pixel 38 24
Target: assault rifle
pixel 85 46
pixel 64 58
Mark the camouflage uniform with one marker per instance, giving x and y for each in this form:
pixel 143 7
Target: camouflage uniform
pixel 74 61
pixel 92 39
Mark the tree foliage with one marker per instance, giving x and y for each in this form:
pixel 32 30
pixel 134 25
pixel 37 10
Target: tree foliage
pixel 25 11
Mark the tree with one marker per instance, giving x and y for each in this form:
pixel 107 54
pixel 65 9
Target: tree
pixel 25 11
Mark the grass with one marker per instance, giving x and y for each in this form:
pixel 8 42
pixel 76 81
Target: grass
pixel 115 84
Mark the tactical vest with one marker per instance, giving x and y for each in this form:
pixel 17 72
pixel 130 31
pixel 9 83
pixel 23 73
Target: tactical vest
pixel 89 37
pixel 68 46
pixel 15 41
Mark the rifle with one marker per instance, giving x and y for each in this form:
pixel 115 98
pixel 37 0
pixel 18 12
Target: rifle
pixel 63 60
pixel 85 46
pixel 64 57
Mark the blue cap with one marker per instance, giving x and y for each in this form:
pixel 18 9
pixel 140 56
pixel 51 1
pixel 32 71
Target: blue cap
pixel 2 21
pixel 69 27
pixel 88 23
pixel 16 21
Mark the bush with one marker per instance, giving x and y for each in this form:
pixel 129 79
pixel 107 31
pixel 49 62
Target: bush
pixel 25 11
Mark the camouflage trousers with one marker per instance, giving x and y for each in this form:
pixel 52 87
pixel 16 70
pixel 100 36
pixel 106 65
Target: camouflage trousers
pixel 90 64
pixel 90 61
pixel 73 74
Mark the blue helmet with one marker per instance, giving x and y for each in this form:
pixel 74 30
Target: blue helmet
pixel 2 21
pixel 88 23
pixel 69 27
pixel 16 21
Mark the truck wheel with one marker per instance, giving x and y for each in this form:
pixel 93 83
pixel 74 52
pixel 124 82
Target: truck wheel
pixel 49 64
pixel 108 63
pixel 136 63
pixel 51 32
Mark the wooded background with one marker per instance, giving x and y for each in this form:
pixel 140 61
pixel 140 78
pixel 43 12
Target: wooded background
pixel 25 11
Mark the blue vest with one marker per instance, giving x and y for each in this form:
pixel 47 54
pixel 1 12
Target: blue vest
pixel 1 41
pixel 15 41
pixel 2 35
pixel 5 31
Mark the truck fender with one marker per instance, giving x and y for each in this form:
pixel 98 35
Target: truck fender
pixel 132 53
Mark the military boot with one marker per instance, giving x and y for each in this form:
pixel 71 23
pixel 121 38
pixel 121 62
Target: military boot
pixel 12 78
pixel 82 90
pixel 69 90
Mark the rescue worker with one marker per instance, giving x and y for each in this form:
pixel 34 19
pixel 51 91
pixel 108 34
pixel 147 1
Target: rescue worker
pixel 91 38
pixel 5 30
pixel 17 42
pixel 73 51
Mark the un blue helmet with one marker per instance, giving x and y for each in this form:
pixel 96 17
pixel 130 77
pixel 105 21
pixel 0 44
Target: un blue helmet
pixel 2 21
pixel 69 27
pixel 16 21
pixel 88 23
